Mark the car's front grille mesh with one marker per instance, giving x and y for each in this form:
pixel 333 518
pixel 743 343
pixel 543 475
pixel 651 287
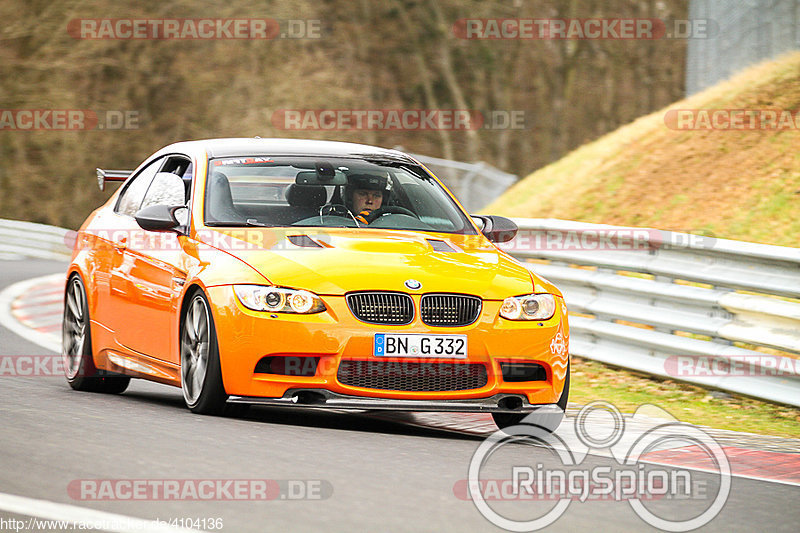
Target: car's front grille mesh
pixel 397 308
pixel 412 375
pixel 449 309
pixel 381 307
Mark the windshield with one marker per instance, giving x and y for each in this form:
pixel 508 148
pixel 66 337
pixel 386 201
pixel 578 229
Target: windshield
pixel 328 192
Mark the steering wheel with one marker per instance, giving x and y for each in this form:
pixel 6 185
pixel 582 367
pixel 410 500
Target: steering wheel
pixel 335 210
pixel 389 210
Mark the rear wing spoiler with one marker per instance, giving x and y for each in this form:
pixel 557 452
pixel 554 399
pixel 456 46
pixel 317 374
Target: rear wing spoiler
pixel 111 175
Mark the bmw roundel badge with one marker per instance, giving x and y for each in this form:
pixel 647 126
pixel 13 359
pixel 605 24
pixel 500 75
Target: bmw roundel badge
pixel 412 284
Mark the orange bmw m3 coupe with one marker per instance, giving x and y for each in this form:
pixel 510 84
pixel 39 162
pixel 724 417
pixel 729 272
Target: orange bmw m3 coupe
pixel 314 274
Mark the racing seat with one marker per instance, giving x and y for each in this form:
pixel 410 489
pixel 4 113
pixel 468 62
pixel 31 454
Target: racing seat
pixel 220 206
pixel 304 202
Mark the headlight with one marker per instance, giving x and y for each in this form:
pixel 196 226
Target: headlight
pixel 278 299
pixel 530 307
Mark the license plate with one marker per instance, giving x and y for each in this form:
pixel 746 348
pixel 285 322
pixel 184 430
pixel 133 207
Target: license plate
pixel 420 345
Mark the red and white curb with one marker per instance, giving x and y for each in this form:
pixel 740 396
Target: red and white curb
pixel 33 310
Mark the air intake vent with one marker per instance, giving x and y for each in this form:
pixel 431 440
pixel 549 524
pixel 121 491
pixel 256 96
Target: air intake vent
pixel 287 365
pixel 450 309
pixel 519 372
pixel 381 307
pixel 411 375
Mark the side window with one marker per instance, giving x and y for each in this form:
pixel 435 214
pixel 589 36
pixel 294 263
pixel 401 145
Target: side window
pixel 133 195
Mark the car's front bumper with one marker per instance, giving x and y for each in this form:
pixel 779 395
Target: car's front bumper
pixel 245 337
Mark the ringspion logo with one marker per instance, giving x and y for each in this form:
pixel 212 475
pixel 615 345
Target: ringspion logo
pixel 634 474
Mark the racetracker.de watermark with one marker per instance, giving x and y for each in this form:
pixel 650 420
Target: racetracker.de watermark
pixel 398 119
pixel 732 119
pixel 194 28
pixel 584 28
pixel 26 366
pixel 67 120
pixel 519 490
pixel 283 239
pixel 199 489
pixel 731 366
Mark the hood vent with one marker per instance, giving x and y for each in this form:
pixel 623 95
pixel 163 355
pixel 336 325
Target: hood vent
pixel 441 246
pixel 303 241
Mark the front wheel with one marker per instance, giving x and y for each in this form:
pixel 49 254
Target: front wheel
pixel 549 421
pixel 201 375
pixel 76 345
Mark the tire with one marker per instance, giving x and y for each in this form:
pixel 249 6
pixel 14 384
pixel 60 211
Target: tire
pixel 201 375
pixel 76 346
pixel 550 422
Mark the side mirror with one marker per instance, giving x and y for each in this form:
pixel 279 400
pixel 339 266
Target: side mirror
pixel 159 217
pixel 497 229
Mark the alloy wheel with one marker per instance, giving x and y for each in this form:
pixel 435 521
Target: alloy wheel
pixel 74 328
pixel 195 344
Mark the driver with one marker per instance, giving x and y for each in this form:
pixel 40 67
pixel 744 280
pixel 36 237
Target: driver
pixel 365 194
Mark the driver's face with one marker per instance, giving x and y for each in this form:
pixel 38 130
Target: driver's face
pixel 365 199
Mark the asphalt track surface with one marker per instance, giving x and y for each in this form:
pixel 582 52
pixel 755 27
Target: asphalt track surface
pixel 384 475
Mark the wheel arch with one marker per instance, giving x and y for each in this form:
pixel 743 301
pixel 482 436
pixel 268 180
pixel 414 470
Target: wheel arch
pixel 194 289
pixel 188 294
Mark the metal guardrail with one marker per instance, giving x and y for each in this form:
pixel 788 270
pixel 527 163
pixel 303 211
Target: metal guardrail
pixel 34 240
pixel 660 299
pixel 679 319
pixel 474 184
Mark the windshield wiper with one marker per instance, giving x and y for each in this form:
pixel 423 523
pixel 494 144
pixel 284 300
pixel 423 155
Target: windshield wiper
pixel 250 222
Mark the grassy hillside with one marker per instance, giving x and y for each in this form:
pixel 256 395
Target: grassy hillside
pixel 735 184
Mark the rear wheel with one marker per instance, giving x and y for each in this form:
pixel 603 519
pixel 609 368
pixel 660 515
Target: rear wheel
pixel 548 421
pixel 76 346
pixel 201 376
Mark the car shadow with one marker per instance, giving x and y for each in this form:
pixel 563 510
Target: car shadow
pixel 378 422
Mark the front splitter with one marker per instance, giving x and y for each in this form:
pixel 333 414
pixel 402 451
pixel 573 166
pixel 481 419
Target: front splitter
pixel 324 399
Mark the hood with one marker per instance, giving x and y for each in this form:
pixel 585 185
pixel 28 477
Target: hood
pixel 333 261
